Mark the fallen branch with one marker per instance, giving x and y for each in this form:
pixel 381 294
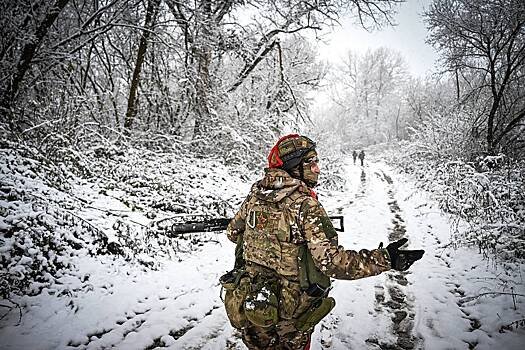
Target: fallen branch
pixel 15 305
pixel 513 325
pixel 467 299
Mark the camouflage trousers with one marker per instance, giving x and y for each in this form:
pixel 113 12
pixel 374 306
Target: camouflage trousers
pixel 282 336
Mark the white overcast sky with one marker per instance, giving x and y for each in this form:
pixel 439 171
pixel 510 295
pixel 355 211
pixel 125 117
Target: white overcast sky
pixel 408 37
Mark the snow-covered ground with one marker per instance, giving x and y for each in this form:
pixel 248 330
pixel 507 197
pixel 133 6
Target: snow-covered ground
pixel 451 299
pixel 441 302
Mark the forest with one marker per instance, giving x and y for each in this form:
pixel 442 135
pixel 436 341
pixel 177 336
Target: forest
pixel 120 117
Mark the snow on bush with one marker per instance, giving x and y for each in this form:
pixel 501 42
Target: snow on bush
pixel 166 189
pixel 487 193
pixel 38 235
pixel 332 174
pixel 109 199
pixel 445 133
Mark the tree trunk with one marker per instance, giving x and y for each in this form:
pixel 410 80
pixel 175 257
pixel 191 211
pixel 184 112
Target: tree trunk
pixel 457 84
pixel 28 53
pixel 397 123
pixel 202 92
pixel 131 111
pixel 202 85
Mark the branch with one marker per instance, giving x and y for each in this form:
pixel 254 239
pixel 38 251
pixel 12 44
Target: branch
pixel 249 68
pixel 82 31
pixel 511 125
pixel 467 299
pixel 181 20
pixel 16 305
pixel 103 29
pixel 221 11
pixel 274 32
pixel 513 325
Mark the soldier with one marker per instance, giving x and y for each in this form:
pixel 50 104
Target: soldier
pixel 354 155
pixel 362 157
pixel 287 251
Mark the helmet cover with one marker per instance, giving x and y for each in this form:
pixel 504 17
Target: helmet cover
pixel 289 151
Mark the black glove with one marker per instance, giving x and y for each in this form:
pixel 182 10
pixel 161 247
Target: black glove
pixel 401 260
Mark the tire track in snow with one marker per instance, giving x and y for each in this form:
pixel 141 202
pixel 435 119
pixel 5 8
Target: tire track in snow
pixel 364 186
pixel 393 305
pixel 329 325
pixel 392 298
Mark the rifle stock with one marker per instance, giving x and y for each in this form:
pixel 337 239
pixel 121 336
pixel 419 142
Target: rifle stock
pixel 220 224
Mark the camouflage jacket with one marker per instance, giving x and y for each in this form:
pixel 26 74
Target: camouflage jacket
pixel 305 222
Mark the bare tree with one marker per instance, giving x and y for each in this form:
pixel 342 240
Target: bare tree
pixel 151 12
pixel 188 68
pixel 57 79
pixel 484 41
pixel 206 33
pixel 28 52
pixel 372 102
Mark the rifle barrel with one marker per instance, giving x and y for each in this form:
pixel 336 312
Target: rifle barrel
pixel 201 226
pixel 221 224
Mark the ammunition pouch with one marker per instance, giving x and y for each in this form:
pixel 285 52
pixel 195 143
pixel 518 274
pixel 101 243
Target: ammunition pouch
pixel 317 311
pixel 237 285
pixel 250 299
pixel 261 306
pixel 315 285
pixel 310 277
pixel 229 280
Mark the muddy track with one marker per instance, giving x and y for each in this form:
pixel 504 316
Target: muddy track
pixel 363 186
pixel 393 298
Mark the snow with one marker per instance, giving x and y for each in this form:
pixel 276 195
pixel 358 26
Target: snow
pixel 454 298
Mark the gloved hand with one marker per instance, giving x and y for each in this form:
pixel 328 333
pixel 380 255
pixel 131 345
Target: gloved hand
pixel 401 260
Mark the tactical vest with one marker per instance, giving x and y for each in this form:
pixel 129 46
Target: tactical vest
pixel 272 239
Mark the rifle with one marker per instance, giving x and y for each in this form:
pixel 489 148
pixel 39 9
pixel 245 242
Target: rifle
pixel 220 224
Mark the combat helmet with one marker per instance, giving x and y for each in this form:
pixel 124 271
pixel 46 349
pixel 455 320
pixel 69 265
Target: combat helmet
pixel 289 151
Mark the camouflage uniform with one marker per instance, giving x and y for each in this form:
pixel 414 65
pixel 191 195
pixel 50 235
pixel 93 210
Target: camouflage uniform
pixel 272 247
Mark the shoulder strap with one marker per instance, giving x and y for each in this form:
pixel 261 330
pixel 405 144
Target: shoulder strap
pixel 293 208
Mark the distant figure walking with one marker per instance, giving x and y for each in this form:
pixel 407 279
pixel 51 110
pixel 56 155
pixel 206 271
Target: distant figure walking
pixel 362 156
pixel 354 155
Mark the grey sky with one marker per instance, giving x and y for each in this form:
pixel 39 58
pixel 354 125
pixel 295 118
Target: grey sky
pixel 408 37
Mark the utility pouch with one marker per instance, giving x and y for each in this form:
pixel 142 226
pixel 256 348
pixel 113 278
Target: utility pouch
pixel 289 300
pixel 315 314
pixel 237 285
pixel 309 274
pixel 229 280
pixel 261 305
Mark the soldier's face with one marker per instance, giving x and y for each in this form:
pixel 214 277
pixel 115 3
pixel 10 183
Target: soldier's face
pixel 311 169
